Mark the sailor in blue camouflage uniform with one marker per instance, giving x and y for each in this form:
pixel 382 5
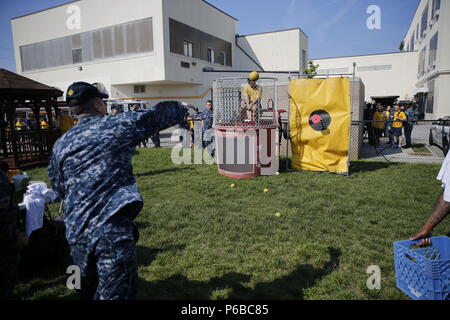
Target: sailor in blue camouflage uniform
pixel 91 170
pixel 208 133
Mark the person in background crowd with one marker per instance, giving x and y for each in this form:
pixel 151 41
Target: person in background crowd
pixel 184 125
pixel 64 122
pixel 207 124
pixel 399 118
pixel 416 114
pixel 90 168
pixel 387 124
pixel 115 109
pixel 378 124
pixel 408 126
pixel 441 209
pixel 368 126
pixel 44 123
pixel 191 125
pixel 389 119
pixel 28 123
pixel 20 125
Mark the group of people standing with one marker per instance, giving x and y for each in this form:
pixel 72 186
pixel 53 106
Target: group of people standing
pixel 392 122
pixel 62 122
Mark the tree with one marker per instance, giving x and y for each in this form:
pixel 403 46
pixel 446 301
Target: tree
pixel 311 70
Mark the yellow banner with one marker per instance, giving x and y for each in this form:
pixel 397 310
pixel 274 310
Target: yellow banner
pixel 320 124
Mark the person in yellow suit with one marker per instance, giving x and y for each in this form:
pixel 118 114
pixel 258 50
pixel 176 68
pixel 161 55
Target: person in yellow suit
pixel 378 124
pixel 252 95
pixel 44 124
pixel 399 117
pixel 64 122
pixel 20 125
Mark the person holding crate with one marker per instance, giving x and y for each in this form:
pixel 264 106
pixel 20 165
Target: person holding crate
pixel 441 209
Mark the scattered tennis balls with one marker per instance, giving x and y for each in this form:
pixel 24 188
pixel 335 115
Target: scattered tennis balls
pixel 278 214
pixel 232 185
pixel 266 190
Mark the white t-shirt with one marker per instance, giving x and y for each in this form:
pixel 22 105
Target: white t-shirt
pixel 444 177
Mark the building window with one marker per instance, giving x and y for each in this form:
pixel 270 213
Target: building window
pixel 436 7
pixel 304 59
pixel 422 62
pixel 210 55
pixel 412 43
pixel 433 49
pixel 332 71
pixel 181 35
pixel 223 60
pixel 430 97
pixel 417 31
pixel 139 89
pixel 77 56
pixel 375 68
pixel 123 39
pixel 424 22
pixel 187 46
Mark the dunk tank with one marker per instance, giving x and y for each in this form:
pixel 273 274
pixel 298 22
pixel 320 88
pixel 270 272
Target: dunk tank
pixel 247 136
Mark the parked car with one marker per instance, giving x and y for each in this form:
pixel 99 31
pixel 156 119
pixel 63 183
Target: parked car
pixel 440 134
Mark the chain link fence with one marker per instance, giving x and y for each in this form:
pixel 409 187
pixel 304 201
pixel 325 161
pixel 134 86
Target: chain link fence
pixel 422 141
pixel 372 140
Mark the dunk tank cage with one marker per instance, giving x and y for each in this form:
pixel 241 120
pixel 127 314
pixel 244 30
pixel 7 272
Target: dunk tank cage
pixel 247 141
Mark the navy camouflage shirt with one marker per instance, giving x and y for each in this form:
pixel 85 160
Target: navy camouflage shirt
pixel 90 167
pixel 208 119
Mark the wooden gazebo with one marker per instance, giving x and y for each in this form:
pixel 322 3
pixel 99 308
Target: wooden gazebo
pixel 31 145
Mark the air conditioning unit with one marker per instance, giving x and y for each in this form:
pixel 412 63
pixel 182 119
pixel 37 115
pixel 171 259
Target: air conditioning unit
pixel 424 34
pixel 437 12
pixel 431 23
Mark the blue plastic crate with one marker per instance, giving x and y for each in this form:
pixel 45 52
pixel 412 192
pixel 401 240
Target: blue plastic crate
pixel 423 273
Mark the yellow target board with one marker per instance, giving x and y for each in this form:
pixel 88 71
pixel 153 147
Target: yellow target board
pixel 320 124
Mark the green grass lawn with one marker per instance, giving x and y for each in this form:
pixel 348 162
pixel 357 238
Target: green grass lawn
pixel 201 239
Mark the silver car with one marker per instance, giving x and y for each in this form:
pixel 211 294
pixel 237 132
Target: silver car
pixel 439 134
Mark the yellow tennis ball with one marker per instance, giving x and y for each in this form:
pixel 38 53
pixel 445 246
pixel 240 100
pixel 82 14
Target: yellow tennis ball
pixel 277 173
pixel 232 185
pixel 278 214
pixel 266 190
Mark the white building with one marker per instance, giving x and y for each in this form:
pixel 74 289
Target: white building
pixel 421 70
pixel 389 76
pixel 146 49
pixel 429 35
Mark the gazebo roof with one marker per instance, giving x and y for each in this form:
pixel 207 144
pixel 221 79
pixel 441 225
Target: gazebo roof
pixel 12 84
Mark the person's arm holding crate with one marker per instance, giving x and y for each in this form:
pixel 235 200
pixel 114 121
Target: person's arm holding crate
pixel 441 209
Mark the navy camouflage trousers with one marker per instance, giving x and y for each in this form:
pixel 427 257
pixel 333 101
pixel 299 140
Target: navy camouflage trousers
pixel 107 260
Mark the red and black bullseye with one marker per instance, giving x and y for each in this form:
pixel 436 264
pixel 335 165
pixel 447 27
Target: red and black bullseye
pixel 319 120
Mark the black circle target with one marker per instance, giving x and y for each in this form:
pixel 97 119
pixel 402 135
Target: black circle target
pixel 320 120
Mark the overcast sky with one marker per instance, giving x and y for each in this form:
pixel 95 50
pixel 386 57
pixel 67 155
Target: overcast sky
pixel 334 27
